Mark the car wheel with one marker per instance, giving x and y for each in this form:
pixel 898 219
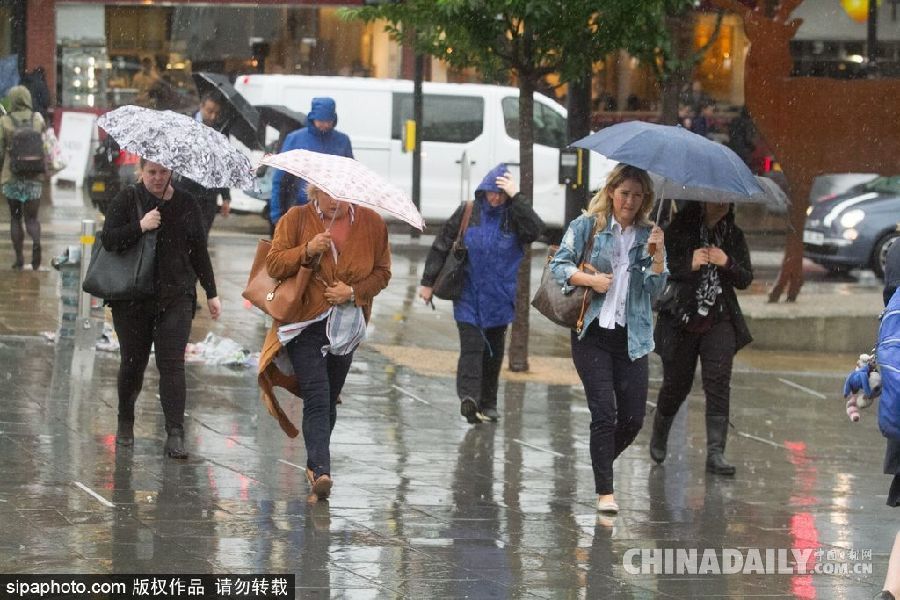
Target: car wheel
pixel 881 250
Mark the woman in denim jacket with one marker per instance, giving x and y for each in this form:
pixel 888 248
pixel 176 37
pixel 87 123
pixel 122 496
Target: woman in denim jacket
pixel 610 352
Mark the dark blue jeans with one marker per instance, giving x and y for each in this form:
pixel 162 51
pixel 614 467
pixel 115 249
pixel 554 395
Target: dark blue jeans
pixel 321 379
pixel 616 390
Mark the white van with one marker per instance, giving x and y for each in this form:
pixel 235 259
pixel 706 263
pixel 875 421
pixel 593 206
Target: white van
pixel 469 128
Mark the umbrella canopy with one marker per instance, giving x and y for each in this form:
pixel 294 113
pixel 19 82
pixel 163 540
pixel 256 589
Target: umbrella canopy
pixel 772 194
pixel 241 119
pixel 181 144
pixel 348 180
pixel 681 157
pixel 280 117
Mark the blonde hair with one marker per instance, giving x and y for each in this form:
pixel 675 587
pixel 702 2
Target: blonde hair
pixel 601 205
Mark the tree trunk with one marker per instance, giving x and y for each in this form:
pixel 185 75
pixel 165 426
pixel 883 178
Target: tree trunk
pixel 518 341
pixel 791 274
pixel 679 72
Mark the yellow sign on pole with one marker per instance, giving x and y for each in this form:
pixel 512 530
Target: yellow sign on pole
pixel 409 135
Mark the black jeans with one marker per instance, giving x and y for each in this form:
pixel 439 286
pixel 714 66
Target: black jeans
pixel 27 212
pixel 321 379
pixel 715 349
pixel 616 390
pixel 480 361
pixel 139 326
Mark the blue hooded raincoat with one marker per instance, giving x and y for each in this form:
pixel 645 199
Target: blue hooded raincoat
pixel 310 138
pixel 496 239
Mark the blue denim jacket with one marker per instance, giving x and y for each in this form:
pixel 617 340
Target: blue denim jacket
pixel 644 284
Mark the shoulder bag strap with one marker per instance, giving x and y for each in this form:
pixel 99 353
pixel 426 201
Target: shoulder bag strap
pixel 585 265
pixel 586 252
pixel 467 213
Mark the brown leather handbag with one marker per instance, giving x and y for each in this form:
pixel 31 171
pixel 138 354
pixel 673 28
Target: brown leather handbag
pixel 563 309
pixel 281 299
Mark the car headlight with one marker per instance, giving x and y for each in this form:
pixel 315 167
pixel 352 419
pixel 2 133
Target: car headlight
pixel 851 218
pixel 850 234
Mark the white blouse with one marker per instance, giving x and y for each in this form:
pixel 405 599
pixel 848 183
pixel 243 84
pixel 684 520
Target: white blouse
pixel 612 312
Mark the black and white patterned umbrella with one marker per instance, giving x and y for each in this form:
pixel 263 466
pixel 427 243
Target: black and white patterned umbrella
pixel 181 144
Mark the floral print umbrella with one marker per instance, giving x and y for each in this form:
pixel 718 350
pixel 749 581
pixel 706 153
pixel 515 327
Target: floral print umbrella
pixel 348 180
pixel 181 144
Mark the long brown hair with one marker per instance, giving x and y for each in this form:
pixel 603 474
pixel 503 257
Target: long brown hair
pixel 601 205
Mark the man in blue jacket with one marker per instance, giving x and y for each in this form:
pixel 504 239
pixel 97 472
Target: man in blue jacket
pixel 318 136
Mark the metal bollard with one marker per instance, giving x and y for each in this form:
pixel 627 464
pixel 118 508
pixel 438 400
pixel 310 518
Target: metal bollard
pixel 88 229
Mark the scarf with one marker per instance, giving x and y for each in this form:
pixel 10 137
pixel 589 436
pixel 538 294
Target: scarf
pixel 710 287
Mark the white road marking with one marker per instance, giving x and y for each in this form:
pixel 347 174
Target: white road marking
pixel 803 388
pixel 99 498
pixel 538 448
pixel 411 395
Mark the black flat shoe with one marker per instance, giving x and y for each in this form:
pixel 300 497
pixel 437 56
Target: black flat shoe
pixel 468 408
pixel 175 444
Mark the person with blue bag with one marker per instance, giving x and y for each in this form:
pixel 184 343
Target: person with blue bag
pixel 861 381
pixel 501 225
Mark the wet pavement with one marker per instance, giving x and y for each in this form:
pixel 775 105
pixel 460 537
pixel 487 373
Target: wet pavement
pixel 424 505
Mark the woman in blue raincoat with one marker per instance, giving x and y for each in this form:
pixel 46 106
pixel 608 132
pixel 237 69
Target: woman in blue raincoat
pixel 501 226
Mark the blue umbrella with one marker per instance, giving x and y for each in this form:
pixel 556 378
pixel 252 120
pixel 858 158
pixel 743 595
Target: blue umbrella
pixel 681 157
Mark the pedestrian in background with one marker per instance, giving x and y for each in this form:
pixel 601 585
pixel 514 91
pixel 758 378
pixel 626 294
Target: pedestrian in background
pixel 22 186
pixel 36 82
pixel 210 114
pixel 163 321
pixel 501 227
pixel 701 318
pixel 319 135
pixel 347 246
pixel 627 260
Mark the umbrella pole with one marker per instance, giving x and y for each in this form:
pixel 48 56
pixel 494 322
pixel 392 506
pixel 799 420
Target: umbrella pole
pixel 651 248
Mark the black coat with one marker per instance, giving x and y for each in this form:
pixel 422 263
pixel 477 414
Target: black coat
pixel 181 254
pixel 682 238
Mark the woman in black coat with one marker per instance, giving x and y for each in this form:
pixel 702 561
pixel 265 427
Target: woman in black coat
pixel 163 320
pixel 699 317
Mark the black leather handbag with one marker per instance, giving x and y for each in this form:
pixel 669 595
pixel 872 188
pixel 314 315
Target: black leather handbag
pixel 125 275
pixel 448 284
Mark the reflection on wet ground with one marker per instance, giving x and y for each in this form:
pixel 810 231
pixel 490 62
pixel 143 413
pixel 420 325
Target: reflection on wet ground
pixel 424 505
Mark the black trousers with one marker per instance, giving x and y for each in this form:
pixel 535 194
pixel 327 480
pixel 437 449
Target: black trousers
pixel 480 361
pixel 139 326
pixel 27 212
pixel 616 390
pixel 321 379
pixel 715 349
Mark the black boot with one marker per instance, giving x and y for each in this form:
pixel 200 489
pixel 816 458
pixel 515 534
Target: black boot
pixel 36 257
pixel 125 433
pixel 175 443
pixel 660 437
pixel 716 434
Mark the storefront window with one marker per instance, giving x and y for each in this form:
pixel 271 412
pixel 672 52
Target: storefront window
pixel 145 54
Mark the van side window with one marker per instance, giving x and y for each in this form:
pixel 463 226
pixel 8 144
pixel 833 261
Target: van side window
pixel 454 119
pixel 549 125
